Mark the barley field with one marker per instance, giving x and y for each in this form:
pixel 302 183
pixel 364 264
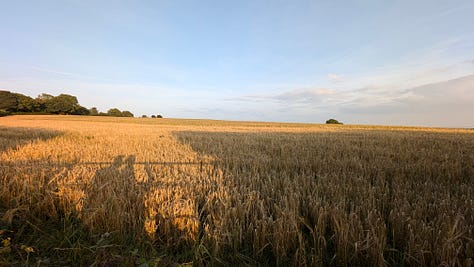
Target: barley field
pixel 101 191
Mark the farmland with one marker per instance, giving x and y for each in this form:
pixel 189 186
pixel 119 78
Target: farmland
pixel 126 191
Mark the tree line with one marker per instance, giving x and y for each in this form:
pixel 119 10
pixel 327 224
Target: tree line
pixel 15 103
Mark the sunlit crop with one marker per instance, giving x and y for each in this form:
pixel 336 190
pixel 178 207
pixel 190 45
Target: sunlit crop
pixel 103 191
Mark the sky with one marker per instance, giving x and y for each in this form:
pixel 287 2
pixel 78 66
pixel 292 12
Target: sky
pixel 358 61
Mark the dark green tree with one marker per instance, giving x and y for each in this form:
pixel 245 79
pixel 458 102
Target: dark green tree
pixel 114 112
pixel 80 110
pixel 93 111
pixel 8 101
pixel 62 104
pixel 333 121
pixel 4 113
pixel 27 104
pixel 44 97
pixel 42 101
pixel 127 113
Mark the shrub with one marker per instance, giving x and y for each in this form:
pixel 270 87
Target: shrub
pixel 127 113
pixel 333 121
pixel 4 113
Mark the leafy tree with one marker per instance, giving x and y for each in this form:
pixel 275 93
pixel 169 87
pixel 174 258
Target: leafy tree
pixel 62 104
pixel 153 116
pixel 8 101
pixel 27 104
pixel 4 113
pixel 114 112
pixel 46 103
pixel 42 100
pixel 159 116
pixel 44 97
pixel 333 121
pixel 127 113
pixel 80 110
pixel 144 116
pixel 93 111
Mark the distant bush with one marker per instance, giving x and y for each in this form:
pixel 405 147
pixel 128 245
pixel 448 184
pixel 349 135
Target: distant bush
pixel 156 116
pixel 144 116
pixel 4 113
pixel 333 121
pixel 127 113
pixel 8 101
pixel 114 112
pixel 94 111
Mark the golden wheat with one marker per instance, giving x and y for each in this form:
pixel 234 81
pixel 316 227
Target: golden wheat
pixel 215 192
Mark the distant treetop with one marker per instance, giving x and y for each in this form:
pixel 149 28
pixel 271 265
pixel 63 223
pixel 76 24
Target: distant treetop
pixel 15 103
pixel 333 121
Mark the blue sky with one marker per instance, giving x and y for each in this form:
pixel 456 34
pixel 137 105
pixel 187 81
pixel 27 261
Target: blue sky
pixel 361 62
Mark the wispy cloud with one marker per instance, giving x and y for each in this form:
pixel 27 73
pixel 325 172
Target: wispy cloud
pixel 429 103
pixel 446 103
pixel 310 95
pixel 305 95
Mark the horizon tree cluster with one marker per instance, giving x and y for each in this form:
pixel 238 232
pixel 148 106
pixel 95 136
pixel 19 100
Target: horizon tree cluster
pixel 64 104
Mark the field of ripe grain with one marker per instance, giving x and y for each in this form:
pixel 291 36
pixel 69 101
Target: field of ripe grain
pixel 122 191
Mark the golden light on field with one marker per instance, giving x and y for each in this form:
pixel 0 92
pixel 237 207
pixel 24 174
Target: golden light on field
pixel 246 193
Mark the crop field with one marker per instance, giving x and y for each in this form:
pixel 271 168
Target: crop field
pixel 101 191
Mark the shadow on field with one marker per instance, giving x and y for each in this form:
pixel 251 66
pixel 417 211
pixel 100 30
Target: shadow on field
pixel 15 137
pixel 118 200
pixel 360 198
pixel 110 196
pixel 88 220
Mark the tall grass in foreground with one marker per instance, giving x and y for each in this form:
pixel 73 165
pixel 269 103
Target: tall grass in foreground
pixel 113 193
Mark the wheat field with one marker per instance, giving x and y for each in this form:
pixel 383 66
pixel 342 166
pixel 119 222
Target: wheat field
pixel 101 191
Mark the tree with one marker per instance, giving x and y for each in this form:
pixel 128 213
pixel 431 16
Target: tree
pixel 61 104
pixel 114 112
pixel 333 121
pixel 93 111
pixel 159 116
pixel 8 101
pixel 46 103
pixel 80 110
pixel 42 100
pixel 45 97
pixel 144 116
pixel 4 113
pixel 153 116
pixel 27 104
pixel 127 113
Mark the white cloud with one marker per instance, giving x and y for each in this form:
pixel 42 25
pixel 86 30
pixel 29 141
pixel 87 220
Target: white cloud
pixel 310 95
pixel 431 104
pixel 305 95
